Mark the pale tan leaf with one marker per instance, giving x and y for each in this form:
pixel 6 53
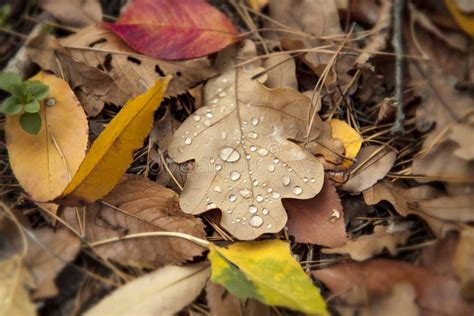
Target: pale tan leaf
pixel 163 292
pixel 244 163
pixel 138 205
pixel 366 246
pixel 462 135
pixel 373 163
pixel 462 262
pixel 281 71
pixel 78 13
pixel 45 163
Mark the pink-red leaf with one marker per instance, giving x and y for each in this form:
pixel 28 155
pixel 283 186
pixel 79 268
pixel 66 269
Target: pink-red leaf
pixel 172 30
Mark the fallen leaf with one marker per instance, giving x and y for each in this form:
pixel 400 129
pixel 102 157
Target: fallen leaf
pixel 45 163
pixel 222 302
pixel 78 13
pixel 435 292
pixel 460 134
pixel 329 150
pixel 281 71
pixel 172 30
pixel 366 11
pixel 319 220
pixel 351 140
pixel 133 73
pixel 373 163
pixel 430 204
pixel 137 205
pixel 266 271
pixel 462 262
pixel 111 153
pixel 257 5
pixel 48 253
pixel 367 246
pixel 465 21
pixel 163 292
pixel 244 163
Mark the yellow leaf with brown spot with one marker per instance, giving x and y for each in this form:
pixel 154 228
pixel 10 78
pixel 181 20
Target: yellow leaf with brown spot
pixel 112 152
pixel 45 163
pixel 351 140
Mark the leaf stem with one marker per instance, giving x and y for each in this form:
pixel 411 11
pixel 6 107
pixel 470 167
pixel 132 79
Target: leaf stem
pixel 196 240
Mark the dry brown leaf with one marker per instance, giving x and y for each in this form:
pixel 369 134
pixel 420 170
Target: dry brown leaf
pixel 48 253
pixel 462 262
pixel 462 135
pixel 367 246
pixel 137 206
pixel 244 163
pixel 133 73
pixel 373 163
pixel 281 71
pixel 78 13
pixel 430 204
pixel 163 292
pixel 435 292
pixel 45 163
pixel 221 302
pixel 319 220
pixel 49 54
pixel 366 11
pixel 329 150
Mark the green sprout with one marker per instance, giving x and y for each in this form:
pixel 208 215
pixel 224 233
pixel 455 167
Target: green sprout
pixel 25 97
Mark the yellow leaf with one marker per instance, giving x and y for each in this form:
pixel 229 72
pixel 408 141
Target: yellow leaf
pixel 465 21
pixel 351 140
pixel 45 163
pixel 266 271
pixel 111 154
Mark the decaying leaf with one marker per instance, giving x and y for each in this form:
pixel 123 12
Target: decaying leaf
pixel 439 211
pixel 221 302
pixel 351 140
pixel 465 21
pixel 172 30
pixel 266 271
pixel 459 134
pixel 462 262
pixel 244 163
pixel 133 73
pixel 281 71
pixel 373 163
pixel 319 220
pixel 435 292
pixel 328 149
pixel 163 292
pixel 45 163
pixel 78 13
pixel 111 153
pixel 367 246
pixel 137 205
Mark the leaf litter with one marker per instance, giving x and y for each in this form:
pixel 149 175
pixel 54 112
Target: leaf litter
pixel 275 129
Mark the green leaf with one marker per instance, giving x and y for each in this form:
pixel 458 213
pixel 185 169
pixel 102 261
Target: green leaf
pixel 11 106
pixel 266 271
pixel 32 107
pixel 38 90
pixel 8 79
pixel 31 122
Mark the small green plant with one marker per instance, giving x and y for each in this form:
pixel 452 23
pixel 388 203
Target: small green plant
pixel 25 97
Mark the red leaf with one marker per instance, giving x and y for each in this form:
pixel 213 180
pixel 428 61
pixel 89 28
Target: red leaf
pixel 318 220
pixel 170 29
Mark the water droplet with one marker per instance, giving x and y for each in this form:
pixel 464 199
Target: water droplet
pixel 196 118
pixel 218 188
pixel 305 179
pixel 265 211
pixel 223 135
pixel 269 226
pixel 290 169
pixel 232 197
pixel 276 195
pixel 225 80
pixel 269 190
pixel 313 180
pixel 285 180
pixel 335 215
pixel 262 152
pixel 229 211
pixel 50 101
pixel 252 209
pixel 237 220
pixel 223 94
pixel 188 141
pixel 297 190
pixel 211 205
pixel 212 160
pixel 259 198
pixel 256 221
pixel 218 167
pixel 255 182
pixel 207 123
pixel 252 135
pixel 247 157
pixel 209 115
pixel 271 168
pixel 245 122
pixel 253 148
pixel 235 175
pixel 245 193
pixel 229 154
pixel 254 121
pixel 276 160
pixel 264 184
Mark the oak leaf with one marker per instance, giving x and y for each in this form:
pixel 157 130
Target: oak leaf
pixel 137 205
pixel 78 13
pixel 163 292
pixel 45 163
pixel 172 30
pixel 244 163
pixel 112 152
